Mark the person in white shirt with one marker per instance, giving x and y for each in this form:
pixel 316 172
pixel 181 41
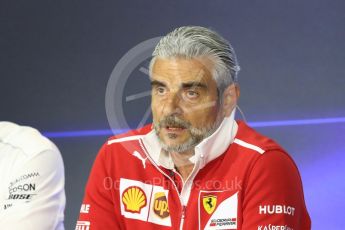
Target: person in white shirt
pixel 32 180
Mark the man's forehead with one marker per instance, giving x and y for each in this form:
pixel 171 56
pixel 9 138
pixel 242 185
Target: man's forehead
pixel 180 70
pixel 179 79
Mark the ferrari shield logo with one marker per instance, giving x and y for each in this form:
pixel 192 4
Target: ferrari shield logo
pixel 209 202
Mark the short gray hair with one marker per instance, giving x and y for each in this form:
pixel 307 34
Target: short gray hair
pixel 195 41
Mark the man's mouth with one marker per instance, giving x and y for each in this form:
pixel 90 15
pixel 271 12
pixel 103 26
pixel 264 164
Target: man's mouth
pixel 174 128
pixel 173 125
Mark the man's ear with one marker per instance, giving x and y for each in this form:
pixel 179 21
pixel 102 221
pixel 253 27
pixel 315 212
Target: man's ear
pixel 230 98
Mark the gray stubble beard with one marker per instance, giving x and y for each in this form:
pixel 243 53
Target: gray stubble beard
pixel 196 134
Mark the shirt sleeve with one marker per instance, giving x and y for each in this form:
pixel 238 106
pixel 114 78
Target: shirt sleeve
pixel 36 195
pixel 273 198
pixel 99 210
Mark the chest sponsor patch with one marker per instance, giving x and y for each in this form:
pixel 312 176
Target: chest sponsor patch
pixel 209 203
pixel 134 199
pixel 218 210
pixel 160 206
pixel 144 202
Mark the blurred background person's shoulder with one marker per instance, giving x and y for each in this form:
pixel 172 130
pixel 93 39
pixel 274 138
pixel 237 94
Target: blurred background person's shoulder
pixel 32 182
pixel 27 139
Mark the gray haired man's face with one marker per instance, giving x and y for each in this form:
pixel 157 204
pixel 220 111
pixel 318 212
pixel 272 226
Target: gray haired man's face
pixel 185 104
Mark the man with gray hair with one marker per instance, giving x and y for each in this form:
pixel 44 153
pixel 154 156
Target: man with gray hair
pixel 195 167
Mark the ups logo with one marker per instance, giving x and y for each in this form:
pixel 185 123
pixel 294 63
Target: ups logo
pixel 160 206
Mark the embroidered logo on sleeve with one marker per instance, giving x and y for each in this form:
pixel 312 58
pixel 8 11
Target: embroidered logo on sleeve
pixel 274 227
pixel 85 208
pixel 276 209
pixel 22 189
pixel 83 225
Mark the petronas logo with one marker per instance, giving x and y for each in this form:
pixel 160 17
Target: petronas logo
pixel 134 199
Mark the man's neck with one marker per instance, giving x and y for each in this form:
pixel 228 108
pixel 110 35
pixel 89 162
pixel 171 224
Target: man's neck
pixel 182 163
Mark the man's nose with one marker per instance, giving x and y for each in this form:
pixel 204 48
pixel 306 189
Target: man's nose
pixel 172 106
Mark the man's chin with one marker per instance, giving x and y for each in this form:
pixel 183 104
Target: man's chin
pixel 179 142
pixel 177 148
pixel 171 146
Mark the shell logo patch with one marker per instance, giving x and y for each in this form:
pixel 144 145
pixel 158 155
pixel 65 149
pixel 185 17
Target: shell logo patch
pixel 209 202
pixel 134 199
pixel 160 207
pixel 144 202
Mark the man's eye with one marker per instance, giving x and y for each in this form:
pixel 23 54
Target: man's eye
pixel 161 90
pixel 192 94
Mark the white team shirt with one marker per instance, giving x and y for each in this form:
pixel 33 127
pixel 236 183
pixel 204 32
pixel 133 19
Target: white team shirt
pixel 32 180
